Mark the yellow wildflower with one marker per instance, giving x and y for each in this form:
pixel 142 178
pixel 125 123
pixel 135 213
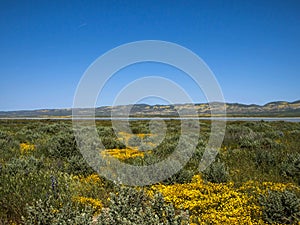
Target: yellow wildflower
pixel 26 148
pixel 94 203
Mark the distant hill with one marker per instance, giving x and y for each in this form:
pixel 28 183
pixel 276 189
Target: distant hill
pixel 276 109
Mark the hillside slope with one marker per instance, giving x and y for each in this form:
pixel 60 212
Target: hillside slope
pixel 280 108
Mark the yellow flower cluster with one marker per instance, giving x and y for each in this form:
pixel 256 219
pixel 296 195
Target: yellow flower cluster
pixel 130 151
pixel 84 185
pixel 94 203
pixel 54 211
pixel 26 148
pixel 143 135
pixel 211 203
pixel 91 179
pixel 12 223
pixel 123 153
pixel 255 188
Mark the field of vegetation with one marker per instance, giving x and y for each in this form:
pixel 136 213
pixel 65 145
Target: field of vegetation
pixel 44 179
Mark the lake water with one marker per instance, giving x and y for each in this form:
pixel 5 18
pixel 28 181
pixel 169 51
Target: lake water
pixel 286 119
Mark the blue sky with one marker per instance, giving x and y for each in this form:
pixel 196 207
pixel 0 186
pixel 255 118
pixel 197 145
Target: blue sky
pixel 253 47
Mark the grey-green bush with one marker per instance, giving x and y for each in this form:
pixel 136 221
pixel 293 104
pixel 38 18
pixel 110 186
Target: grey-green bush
pixel 217 172
pixel 280 207
pixel 132 207
pixel 43 212
pixel 290 167
pixel 134 141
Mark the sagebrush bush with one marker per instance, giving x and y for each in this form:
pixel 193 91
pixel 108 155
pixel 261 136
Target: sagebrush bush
pixel 43 212
pixel 290 167
pixel 265 159
pixel 134 141
pixel 111 143
pixel 183 176
pixel 167 146
pixel 77 165
pixel 24 165
pixel 62 145
pixel 217 172
pixel 239 135
pixel 130 206
pixel 145 147
pixel 21 187
pixel 138 127
pixel 280 207
pixel 28 134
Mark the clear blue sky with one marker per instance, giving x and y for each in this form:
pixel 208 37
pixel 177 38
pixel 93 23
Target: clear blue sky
pixel 253 47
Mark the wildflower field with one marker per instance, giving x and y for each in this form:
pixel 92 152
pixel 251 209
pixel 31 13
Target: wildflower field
pixel 44 179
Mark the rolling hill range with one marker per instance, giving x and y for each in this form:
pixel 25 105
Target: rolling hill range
pixel 272 109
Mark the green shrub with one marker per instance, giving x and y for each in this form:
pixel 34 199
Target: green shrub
pixel 28 134
pixel 217 172
pixel 77 165
pixel 290 167
pixel 24 165
pixel 62 145
pixel 105 131
pixel 268 143
pixel 239 135
pixel 145 147
pixel 134 141
pixel 24 187
pixel 264 159
pixel 130 206
pixel 139 127
pixel 9 147
pixel 111 143
pixel 7 141
pixel 280 207
pixel 183 176
pixel 167 146
pixel 43 212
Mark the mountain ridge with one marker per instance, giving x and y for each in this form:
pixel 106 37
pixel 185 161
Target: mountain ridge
pixel 275 108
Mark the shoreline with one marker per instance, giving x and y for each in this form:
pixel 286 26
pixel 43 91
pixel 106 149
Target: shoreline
pixel 269 119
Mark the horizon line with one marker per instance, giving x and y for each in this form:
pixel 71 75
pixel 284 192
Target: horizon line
pixel 70 108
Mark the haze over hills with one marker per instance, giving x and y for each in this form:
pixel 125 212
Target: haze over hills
pixel 276 109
